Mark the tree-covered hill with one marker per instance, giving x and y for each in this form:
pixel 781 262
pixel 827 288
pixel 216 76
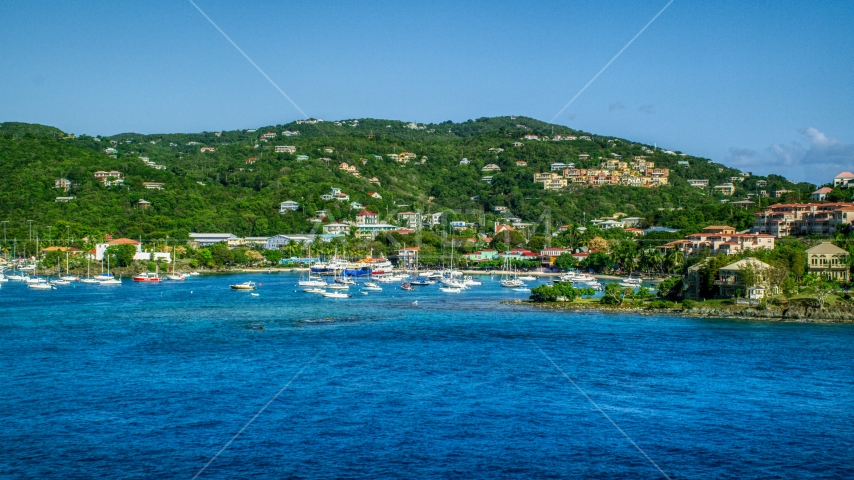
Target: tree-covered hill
pixel 223 191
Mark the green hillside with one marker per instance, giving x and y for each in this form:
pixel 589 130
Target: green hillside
pixel 219 191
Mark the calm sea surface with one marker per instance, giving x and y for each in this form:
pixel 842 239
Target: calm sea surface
pixel 151 381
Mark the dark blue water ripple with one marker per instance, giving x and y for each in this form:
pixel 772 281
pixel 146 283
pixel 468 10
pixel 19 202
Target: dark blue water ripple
pixel 151 381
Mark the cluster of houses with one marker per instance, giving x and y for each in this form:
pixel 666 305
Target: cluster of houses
pixel 155 166
pixel 785 219
pixel 109 179
pixel 717 239
pixel 555 138
pixel 640 172
pixel 404 157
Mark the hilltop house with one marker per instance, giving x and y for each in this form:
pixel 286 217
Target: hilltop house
pixel 820 195
pixel 521 163
pixel 286 149
pixel 63 183
pixel 153 185
pixel 699 183
pixel 844 180
pixel 410 219
pixel 64 199
pixel 288 206
pixel 725 189
pixel 366 217
pixel 491 168
pixel 207 149
pixel 337 228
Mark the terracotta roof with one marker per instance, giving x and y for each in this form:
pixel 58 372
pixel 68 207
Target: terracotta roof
pixel 123 241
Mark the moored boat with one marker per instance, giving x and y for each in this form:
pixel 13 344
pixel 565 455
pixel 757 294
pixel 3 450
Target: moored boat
pixel 244 286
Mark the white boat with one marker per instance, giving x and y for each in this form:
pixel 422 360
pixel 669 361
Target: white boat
pixel 450 283
pixel 110 281
pixel 528 278
pixel 32 280
pixel 631 282
pixel 41 286
pixel 60 282
pixel 338 286
pixel 69 278
pixel 3 279
pixel 336 295
pixel 450 289
pixel 512 283
pixel 313 290
pixel 19 278
pixel 522 289
pixel 173 276
pixel 89 280
pixel 193 274
pixel 345 281
pixel 372 287
pixel 243 286
pixel 311 281
pixel 471 282
pixel 429 274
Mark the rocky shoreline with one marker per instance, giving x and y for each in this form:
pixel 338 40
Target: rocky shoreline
pixel 791 313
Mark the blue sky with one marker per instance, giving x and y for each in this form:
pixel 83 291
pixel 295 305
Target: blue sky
pixel 763 86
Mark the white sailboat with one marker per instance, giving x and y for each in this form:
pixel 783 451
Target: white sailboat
pixel 68 277
pixel 173 275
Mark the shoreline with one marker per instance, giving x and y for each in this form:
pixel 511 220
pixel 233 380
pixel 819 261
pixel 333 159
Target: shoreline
pixel 799 314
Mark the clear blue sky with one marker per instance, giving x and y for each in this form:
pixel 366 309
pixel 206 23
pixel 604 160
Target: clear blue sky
pixel 764 86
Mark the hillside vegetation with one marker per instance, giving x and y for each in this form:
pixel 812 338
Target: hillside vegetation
pixel 218 191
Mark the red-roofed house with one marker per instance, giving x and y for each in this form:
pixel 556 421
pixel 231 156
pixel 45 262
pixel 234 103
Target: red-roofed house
pixel 366 217
pixel 844 180
pixel 820 195
pixel 375 195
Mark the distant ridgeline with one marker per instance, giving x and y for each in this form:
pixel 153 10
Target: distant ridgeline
pixel 287 178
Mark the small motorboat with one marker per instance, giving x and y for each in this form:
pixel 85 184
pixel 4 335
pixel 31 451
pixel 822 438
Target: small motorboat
pixel 110 281
pixel 371 287
pixel 178 277
pixel 41 286
pixel 471 282
pixel 147 277
pixel 193 274
pixel 528 278
pixel 450 289
pixel 338 286
pixel 60 282
pixel 522 289
pixel 255 294
pixel 244 286
pixel 631 282
pixel 336 295
pixel 422 283
pixel 406 286
pixel 512 283
pixel 69 278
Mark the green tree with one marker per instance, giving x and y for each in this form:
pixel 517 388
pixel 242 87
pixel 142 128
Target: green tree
pixel 565 262
pixel 121 255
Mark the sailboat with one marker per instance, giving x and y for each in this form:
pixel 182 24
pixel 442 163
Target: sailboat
pixel 173 276
pixel 68 277
pixel 312 281
pixel 108 278
pixel 88 278
pixel 511 282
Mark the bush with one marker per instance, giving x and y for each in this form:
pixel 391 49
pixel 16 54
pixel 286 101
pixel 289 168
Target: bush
pixel 688 304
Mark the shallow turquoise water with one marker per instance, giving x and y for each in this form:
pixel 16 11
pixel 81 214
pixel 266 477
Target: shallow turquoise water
pixel 151 381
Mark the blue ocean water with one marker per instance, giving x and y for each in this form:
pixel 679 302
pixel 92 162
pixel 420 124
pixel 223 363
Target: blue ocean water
pixel 151 381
